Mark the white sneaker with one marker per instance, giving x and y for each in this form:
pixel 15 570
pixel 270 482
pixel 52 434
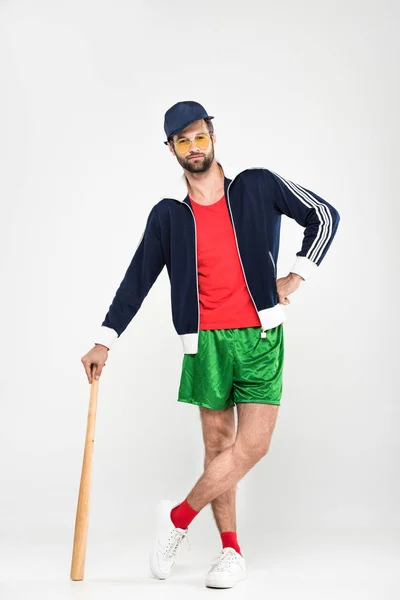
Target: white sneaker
pixel 226 570
pixel 168 539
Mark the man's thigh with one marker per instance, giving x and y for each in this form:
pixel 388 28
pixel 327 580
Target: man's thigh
pixel 258 365
pixel 256 423
pixel 206 378
pixel 218 427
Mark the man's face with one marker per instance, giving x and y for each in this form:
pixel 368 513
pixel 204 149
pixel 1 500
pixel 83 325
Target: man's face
pixel 194 160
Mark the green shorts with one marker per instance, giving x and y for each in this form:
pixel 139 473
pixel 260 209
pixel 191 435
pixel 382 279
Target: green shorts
pixel 232 366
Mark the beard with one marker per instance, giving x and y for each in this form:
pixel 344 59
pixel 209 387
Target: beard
pixel 197 166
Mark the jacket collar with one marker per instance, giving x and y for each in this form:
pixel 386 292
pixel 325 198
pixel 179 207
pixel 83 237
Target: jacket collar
pixel 177 189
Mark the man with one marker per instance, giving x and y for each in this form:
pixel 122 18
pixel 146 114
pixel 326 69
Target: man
pixel 218 234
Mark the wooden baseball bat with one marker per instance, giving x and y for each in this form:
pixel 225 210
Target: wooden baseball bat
pixel 82 511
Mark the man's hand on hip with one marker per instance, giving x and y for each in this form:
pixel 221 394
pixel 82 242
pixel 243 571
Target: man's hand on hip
pixel 286 286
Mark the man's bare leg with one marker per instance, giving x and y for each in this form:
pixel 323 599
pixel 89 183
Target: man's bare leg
pixel 256 423
pixel 219 431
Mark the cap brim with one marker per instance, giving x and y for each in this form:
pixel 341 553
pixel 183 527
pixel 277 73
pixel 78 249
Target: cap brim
pixel 186 125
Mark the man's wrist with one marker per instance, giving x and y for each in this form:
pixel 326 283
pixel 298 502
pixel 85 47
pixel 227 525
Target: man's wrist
pixel 296 275
pixel 102 345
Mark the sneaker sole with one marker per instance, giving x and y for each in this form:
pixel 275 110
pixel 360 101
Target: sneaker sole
pixel 223 584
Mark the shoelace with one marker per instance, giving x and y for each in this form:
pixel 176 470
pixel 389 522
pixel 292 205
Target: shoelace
pixel 225 559
pixel 175 538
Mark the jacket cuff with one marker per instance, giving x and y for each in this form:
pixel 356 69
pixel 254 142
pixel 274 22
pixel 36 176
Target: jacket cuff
pixel 105 336
pixel 304 267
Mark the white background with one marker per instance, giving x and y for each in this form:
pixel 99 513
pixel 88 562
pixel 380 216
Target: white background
pixel 309 90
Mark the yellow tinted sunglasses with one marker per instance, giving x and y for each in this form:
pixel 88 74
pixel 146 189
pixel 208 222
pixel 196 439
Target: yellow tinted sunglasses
pixel 201 141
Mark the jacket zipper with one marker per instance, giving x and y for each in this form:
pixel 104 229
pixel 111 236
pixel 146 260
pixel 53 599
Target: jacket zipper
pixel 263 334
pixel 273 262
pixel 197 275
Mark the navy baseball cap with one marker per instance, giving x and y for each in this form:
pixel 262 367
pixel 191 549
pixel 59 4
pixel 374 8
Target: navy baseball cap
pixel 181 114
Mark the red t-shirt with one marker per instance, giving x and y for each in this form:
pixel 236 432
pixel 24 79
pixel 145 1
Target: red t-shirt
pixel 225 301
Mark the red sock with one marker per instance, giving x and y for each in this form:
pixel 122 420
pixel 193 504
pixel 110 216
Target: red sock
pixel 229 539
pixel 183 515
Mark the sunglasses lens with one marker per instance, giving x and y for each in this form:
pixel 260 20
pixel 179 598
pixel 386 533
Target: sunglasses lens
pixel 183 145
pixel 201 142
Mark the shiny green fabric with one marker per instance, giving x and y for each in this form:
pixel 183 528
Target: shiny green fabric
pixel 232 366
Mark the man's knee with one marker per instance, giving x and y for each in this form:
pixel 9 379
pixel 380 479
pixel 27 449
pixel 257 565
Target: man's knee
pixel 217 442
pixel 251 450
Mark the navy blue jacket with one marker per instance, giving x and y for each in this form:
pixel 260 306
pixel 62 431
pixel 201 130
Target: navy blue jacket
pixel 256 199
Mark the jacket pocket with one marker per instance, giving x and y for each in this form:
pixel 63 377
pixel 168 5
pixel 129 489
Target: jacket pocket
pixel 273 263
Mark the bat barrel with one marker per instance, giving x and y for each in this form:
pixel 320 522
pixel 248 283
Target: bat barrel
pixel 82 511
